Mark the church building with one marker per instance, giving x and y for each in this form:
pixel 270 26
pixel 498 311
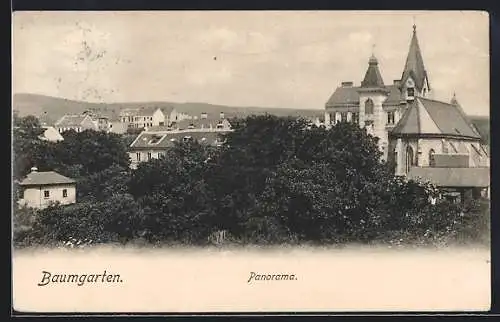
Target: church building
pixel 421 136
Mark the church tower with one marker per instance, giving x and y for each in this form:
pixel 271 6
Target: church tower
pixel 414 80
pixel 372 94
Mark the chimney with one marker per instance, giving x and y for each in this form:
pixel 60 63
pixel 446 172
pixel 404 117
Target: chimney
pixel 34 169
pixel 204 115
pixel 221 115
pixel 397 82
pixel 347 84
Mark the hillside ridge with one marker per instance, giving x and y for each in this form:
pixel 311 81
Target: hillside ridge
pixel 49 109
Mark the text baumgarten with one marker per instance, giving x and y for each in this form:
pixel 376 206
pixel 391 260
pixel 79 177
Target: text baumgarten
pixel 271 277
pixel 79 279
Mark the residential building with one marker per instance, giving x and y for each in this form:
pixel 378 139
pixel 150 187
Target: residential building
pixel 51 134
pixel 77 123
pixel 175 116
pixel 117 127
pixel 40 189
pixel 154 142
pixel 144 117
pixel 414 130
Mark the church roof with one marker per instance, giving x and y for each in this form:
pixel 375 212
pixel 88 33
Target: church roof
pixel 373 78
pixel 414 65
pixel 426 116
pixel 394 95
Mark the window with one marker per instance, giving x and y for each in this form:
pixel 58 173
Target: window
pixel 409 159
pixel 138 156
pixel 65 193
pixel 410 92
pixel 21 193
pixel 390 117
pixel 149 156
pixel 343 116
pixel 369 107
pixel 432 162
pixel 355 118
pixel 425 92
pixel 46 194
pixel 161 155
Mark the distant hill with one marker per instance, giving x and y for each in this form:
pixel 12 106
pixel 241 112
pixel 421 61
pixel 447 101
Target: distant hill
pixel 49 109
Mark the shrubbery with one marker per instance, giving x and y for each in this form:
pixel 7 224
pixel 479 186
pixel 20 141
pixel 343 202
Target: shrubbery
pixel 275 180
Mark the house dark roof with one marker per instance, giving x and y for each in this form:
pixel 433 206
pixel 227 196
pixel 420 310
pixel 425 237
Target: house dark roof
pixel 427 116
pixel 163 140
pixel 198 123
pixel 453 177
pixel 70 120
pixel 45 178
pixel 373 78
pixel 344 96
pixel 350 96
pixel 414 65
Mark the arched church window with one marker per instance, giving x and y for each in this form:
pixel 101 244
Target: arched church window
pixel 432 162
pixel 409 159
pixel 410 92
pixel 369 107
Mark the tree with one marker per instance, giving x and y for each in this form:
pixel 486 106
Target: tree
pixel 26 144
pixel 106 149
pixel 174 195
pixel 250 155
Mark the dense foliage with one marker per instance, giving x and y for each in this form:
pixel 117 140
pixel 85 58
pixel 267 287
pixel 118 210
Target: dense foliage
pixel 275 180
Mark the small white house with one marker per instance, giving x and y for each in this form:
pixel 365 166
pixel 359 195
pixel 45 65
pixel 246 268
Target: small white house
pixel 51 134
pixel 39 189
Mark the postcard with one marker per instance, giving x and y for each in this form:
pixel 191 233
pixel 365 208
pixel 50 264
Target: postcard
pixel 250 162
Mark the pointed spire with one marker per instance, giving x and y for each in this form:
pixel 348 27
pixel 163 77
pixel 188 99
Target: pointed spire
pixel 373 78
pixel 454 100
pixel 414 65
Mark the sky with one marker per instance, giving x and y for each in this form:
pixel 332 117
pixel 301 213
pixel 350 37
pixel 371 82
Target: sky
pixel 288 59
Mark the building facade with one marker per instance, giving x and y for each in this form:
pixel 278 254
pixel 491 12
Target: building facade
pixel 141 118
pixel 413 129
pixel 40 189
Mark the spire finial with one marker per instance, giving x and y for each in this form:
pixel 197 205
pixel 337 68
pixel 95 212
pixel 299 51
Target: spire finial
pixel 454 100
pixel 373 59
pixel 414 24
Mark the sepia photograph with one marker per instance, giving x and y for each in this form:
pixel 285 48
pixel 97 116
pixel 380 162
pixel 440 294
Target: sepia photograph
pixel 250 161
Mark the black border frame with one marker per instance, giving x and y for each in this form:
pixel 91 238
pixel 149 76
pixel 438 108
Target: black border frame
pixel 489 6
